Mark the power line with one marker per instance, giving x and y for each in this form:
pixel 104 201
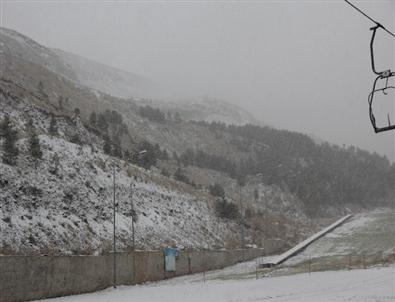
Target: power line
pixel 371 19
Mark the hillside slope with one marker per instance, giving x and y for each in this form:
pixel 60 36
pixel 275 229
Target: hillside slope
pixel 62 203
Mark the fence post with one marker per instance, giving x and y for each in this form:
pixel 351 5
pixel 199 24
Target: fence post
pixel 256 269
pixel 349 262
pixel 204 269
pixel 363 260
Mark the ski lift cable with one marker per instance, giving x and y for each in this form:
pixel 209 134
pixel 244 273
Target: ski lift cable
pixel 371 19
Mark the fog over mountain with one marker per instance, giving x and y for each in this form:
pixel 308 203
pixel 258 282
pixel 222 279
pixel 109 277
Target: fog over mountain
pixel 298 67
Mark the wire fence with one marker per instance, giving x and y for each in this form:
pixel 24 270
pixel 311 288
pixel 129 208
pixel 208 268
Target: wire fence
pixel 311 264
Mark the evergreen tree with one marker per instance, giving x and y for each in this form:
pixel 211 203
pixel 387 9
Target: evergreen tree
pixel 126 155
pixel 4 125
pixel 180 176
pixel 9 144
pixel 107 146
pixel 153 114
pixel 77 111
pixel 165 155
pixel 34 142
pixel 217 190
pixel 256 194
pixel 164 172
pixel 54 164
pixel 76 139
pixel 53 128
pixel 40 87
pixel 93 119
pixel 117 151
pixel 102 123
pixel 225 209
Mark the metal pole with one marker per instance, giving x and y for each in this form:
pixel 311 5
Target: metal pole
pixel 241 220
pixel 133 240
pixel 114 237
pixel 133 237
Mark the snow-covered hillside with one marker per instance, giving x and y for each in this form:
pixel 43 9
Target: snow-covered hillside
pixel 63 202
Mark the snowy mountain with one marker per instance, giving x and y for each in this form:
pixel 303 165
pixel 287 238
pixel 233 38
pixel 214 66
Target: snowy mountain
pixel 119 83
pixel 123 84
pixel 110 80
pixel 24 48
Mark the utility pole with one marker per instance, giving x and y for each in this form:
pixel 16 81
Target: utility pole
pixel 133 234
pixel 241 219
pixel 133 218
pixel 133 240
pixel 114 237
pixel 114 205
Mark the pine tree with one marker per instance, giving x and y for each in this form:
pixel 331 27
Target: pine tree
pixel 4 125
pixel 107 146
pixel 117 151
pixel 126 155
pixel 10 137
pixel 102 123
pixel 77 111
pixel 54 165
pixel 40 87
pixel 217 190
pixel 256 194
pixel 34 142
pixel 76 139
pixel 93 119
pixel 53 128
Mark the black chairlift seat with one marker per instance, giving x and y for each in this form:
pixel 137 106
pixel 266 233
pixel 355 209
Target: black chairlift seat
pixel 375 90
pixel 383 75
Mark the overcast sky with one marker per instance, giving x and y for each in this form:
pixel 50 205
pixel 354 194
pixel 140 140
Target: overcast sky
pixel 299 65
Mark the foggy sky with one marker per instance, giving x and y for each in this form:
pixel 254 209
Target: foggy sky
pixel 298 65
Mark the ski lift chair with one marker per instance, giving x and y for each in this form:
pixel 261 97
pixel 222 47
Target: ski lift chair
pixel 383 75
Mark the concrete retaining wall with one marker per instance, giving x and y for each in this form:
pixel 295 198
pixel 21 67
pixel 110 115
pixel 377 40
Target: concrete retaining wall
pixel 24 278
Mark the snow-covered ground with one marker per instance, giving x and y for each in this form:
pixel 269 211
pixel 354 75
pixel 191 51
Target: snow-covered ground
pixel 375 284
pixel 370 233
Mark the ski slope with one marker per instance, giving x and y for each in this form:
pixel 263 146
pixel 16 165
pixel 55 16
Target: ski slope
pixel 374 284
pixel 369 233
pixel 303 244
